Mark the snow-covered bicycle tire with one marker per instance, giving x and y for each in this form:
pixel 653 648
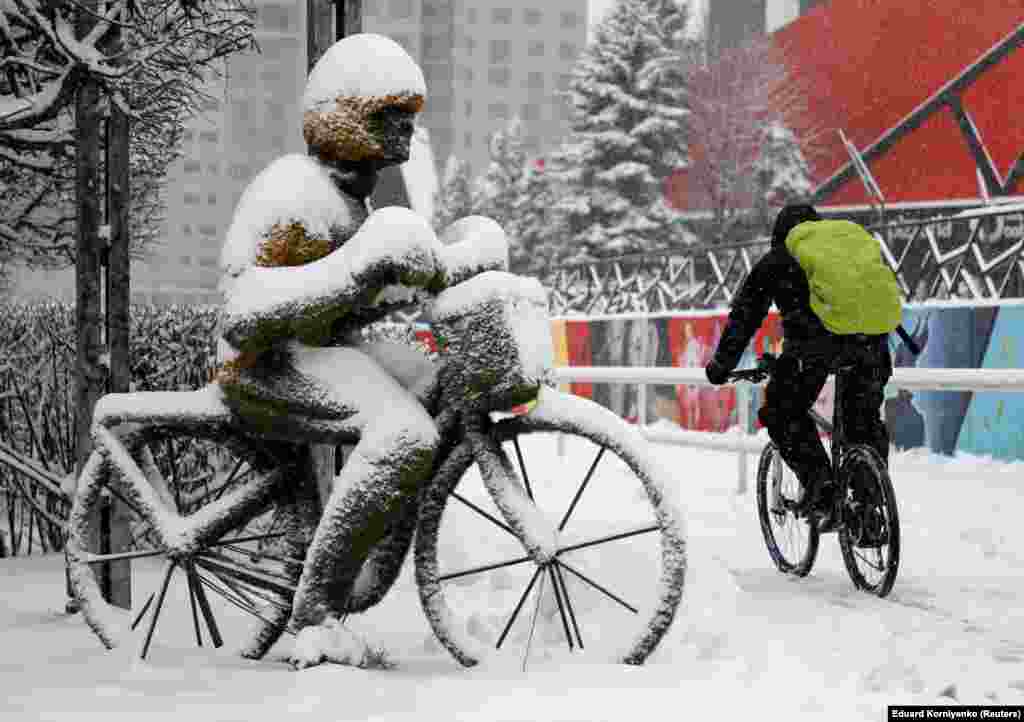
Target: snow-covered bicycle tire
pixel 570 415
pixel 769 470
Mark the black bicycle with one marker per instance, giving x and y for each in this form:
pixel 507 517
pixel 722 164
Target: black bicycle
pixel 865 515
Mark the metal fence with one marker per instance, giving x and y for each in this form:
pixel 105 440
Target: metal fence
pixel 974 255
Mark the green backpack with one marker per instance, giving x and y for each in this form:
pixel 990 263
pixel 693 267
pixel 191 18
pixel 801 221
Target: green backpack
pixel 852 288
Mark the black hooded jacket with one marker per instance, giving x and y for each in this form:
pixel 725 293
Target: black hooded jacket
pixel 777 278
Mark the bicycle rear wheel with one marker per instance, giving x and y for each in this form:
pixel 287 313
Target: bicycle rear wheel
pixel 202 501
pixel 869 536
pixel 792 541
pixel 611 577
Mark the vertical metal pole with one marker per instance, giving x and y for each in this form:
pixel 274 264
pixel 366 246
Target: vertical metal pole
pixel 743 406
pixel 118 322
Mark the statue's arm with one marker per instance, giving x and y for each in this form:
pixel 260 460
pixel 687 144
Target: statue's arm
pixel 394 247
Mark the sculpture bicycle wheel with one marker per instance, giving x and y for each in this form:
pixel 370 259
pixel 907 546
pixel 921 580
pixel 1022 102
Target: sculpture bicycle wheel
pixel 607 576
pixel 206 506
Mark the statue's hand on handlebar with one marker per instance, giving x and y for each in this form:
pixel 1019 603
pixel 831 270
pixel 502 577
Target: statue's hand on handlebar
pixel 472 245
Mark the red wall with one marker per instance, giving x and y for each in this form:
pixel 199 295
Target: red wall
pixel 866 64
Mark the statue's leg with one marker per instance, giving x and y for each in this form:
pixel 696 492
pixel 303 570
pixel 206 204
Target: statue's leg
pixel 394 453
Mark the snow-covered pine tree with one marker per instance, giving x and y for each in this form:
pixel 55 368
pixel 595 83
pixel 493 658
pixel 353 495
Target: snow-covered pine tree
pixel 629 109
pixel 454 199
pixel 537 238
pixel 496 191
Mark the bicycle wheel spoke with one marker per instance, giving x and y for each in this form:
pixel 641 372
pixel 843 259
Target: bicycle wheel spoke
pixel 519 606
pixel 207 583
pixel 159 606
pixel 489 517
pixel 533 624
pixel 242 539
pixel 252 568
pixel 610 538
pixel 230 480
pixel 142 612
pixel 254 578
pixel 228 590
pixel 256 554
pixel 244 589
pixel 119 556
pixel 561 609
pixel 190 578
pixel 522 467
pixel 204 606
pixel 485 568
pixel 579 492
pixel 598 587
pixel 568 603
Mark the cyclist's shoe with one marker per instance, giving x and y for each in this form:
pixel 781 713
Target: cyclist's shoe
pixel 818 503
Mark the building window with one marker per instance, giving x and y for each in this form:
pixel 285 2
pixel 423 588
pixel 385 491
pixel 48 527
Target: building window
pixel 185 260
pixel 400 9
pixel 467 140
pixel 498 111
pixel 239 171
pixel 191 199
pixel 564 81
pixel 188 136
pixel 529 112
pixel 208 262
pixel 533 16
pixel 211 199
pixel 209 136
pixel 210 104
pixel 499 51
pixel 469 43
pixel 467 75
pixel 186 229
pixel 192 166
pixel 273 17
pixel 567 51
pixel 501 16
pixel 535 79
pixel 470 15
pixel 570 19
pixel 213 168
pixel 208 230
pixel 536 49
pixel 435 47
pixel 498 77
pixel 468 108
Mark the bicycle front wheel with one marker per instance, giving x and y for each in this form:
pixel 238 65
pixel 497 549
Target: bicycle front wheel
pixel 611 577
pixel 792 541
pixel 870 534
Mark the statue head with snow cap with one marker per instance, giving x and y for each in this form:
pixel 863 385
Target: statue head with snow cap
pixel 361 100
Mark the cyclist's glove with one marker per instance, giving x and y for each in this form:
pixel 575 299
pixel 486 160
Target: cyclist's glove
pixel 717 373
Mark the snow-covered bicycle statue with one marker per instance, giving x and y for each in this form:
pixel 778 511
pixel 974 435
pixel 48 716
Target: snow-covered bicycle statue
pixel 220 480
pixel 144 437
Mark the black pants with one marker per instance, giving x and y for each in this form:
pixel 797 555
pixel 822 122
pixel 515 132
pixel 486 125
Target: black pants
pixel 799 376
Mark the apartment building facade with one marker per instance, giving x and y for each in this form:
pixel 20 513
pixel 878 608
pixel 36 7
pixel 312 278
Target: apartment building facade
pixel 485 62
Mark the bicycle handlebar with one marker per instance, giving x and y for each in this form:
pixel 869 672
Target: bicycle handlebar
pixel 763 370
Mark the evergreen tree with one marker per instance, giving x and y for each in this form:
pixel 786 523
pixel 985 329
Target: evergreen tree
pixel 629 103
pixel 537 240
pixel 497 191
pixel 454 199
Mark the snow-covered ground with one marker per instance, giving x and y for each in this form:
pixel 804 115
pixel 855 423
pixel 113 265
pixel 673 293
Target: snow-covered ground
pixel 747 639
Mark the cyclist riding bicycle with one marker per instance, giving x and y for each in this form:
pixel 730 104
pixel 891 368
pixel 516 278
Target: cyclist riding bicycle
pixel 838 301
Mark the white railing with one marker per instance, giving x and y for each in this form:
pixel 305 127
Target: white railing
pixel 741 441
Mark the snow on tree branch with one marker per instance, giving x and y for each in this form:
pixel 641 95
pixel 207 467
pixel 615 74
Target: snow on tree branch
pixel 151 58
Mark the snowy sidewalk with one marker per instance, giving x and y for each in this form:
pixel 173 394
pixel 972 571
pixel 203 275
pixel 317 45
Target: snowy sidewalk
pixel 747 639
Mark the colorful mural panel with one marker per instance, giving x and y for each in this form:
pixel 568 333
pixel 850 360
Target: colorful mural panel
pixel 944 421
